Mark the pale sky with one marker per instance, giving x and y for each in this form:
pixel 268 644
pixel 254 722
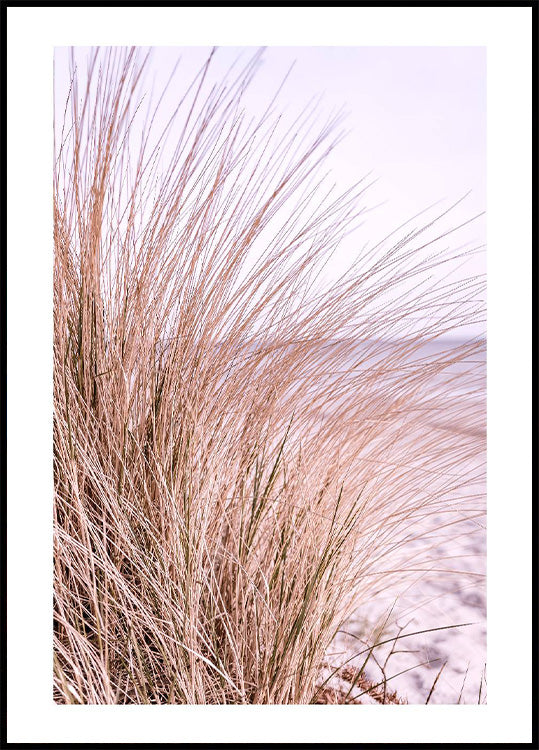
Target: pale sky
pixel 416 118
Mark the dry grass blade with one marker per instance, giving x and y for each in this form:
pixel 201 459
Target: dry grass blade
pixel 435 681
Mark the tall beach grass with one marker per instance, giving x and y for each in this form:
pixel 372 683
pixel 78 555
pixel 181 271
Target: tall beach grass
pixel 242 449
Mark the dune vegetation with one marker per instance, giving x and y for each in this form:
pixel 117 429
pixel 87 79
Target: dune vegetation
pixel 240 446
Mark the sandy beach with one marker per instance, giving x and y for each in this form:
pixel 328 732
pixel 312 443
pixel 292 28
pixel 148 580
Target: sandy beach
pixel 449 592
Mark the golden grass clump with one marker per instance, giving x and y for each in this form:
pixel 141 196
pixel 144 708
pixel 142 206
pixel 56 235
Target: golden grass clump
pixel 241 451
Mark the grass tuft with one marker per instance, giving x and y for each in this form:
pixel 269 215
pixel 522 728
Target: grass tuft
pixel 242 453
